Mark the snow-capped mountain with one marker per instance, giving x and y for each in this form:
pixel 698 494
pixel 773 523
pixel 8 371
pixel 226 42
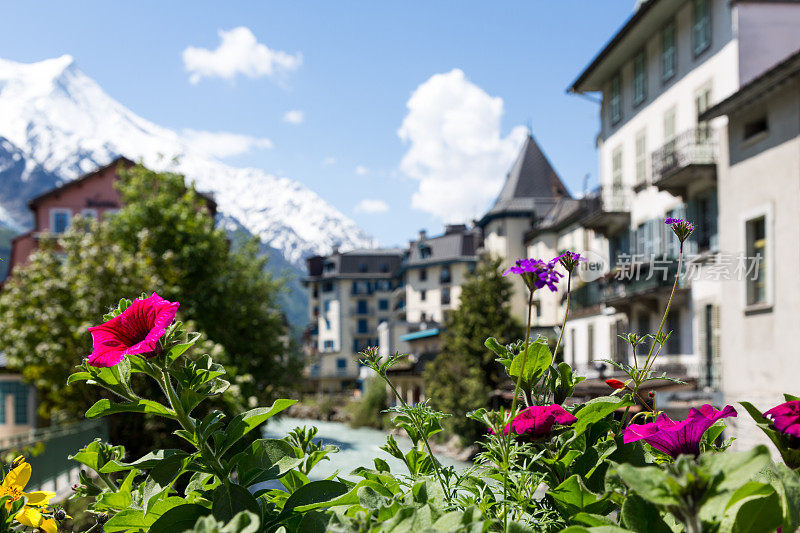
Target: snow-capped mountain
pixel 56 123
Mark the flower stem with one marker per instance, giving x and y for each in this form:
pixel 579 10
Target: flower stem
pixel 648 362
pixel 514 409
pixel 566 314
pixel 188 424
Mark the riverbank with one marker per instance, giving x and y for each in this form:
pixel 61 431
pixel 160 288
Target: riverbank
pixel 334 409
pixel 357 446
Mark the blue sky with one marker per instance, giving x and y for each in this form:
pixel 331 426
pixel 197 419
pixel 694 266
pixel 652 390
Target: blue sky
pixel 351 69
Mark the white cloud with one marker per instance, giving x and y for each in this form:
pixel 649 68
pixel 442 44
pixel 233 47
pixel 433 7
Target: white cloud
pixel 328 161
pixel 295 116
pixel 361 170
pixel 223 144
pixel 239 52
pixel 456 151
pixel 371 206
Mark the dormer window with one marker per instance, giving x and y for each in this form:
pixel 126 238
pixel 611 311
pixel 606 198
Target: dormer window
pixel 329 266
pixel 362 267
pixel 60 219
pixel 424 252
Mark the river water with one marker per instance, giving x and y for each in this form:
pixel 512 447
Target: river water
pixel 357 447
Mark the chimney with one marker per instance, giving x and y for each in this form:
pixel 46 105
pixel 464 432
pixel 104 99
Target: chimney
pixel 423 235
pixel 335 249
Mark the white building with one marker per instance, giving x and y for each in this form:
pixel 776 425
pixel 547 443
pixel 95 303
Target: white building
pixel 759 195
pixel 350 294
pixel 670 62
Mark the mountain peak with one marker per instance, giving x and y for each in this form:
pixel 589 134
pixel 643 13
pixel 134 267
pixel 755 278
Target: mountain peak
pixel 63 122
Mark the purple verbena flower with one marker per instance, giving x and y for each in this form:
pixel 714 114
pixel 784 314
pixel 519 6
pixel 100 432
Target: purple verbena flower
pixel 786 417
pixel 680 227
pixel 570 260
pixel 536 273
pixel 676 438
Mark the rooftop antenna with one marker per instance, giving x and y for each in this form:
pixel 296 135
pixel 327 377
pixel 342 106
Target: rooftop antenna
pixel 586 184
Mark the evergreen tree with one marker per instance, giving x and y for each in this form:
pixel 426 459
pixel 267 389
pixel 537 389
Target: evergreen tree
pixel 464 374
pixel 162 240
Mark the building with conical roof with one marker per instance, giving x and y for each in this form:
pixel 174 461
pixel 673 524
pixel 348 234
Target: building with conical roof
pixel 531 190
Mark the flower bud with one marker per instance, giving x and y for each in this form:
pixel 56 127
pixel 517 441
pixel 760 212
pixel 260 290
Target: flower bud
pixel 615 384
pixel 651 394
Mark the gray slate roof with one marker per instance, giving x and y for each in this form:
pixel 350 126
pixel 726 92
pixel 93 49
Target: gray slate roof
pixel 379 262
pixel 531 186
pixel 456 244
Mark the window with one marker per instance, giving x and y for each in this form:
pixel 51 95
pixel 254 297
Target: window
pixel 362 267
pixel 327 286
pixel 755 128
pixel 383 305
pixel 361 287
pixel 384 267
pixel 639 78
pixel 327 346
pixel 89 213
pixel 20 404
pixel 446 296
pixel 701 30
pixel 423 274
pixel 422 295
pixel 330 266
pixel 641 157
pixel 673 346
pixel 327 305
pixel 341 363
pixel 616 169
pixel 669 124
pixel 756 234
pixel 363 326
pixel 615 102
pixel 668 55
pixel 501 229
pixel 59 220
pixel 363 307
pixel 702 101
pixel 445 275
pixel 383 285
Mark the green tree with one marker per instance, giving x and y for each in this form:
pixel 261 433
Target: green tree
pixel 162 240
pixel 463 375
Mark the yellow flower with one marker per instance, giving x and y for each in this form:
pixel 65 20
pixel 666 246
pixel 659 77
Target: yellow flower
pixel 14 485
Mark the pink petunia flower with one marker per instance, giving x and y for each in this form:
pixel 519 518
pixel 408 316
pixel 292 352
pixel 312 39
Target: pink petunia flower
pixel 538 421
pixel 676 438
pixel 786 417
pixel 136 331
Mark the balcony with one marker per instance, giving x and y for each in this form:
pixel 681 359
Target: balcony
pixel 687 160
pixel 586 296
pixel 609 213
pixel 648 284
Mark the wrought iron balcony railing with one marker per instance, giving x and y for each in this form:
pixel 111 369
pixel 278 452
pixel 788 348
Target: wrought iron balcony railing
pixel 693 147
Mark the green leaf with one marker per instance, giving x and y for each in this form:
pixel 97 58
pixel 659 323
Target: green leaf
pixel 573 497
pixel 105 407
pixel 245 422
pixel 264 460
pixel 145 462
pixel 314 522
pixel 78 376
pixel 737 468
pixel 592 520
pixel 161 478
pixel 787 485
pixel 128 519
pixel 316 492
pixel 179 518
pixel 753 508
pixel 597 409
pixel 230 499
pixel 537 362
pixel 649 482
pixel 642 516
